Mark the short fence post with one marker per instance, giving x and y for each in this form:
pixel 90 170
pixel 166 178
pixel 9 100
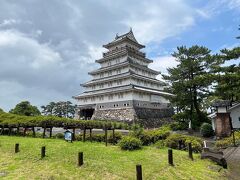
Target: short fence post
pixel 105 135
pixel 84 134
pixel 234 141
pixel 34 133
pixel 43 152
pixel 90 134
pixel 80 158
pixel 190 153
pixel 16 148
pixel 170 157
pixel 44 132
pixel 179 144
pixel 139 172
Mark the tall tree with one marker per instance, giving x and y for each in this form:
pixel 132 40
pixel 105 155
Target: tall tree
pixel 26 109
pixel 60 109
pixel 228 78
pixel 190 80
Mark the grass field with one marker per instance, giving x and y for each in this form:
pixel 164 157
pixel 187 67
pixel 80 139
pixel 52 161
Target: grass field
pixel 100 162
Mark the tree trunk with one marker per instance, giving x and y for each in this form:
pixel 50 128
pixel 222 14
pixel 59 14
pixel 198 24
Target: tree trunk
pixel 44 132
pixel 24 132
pixel 196 105
pixel 50 132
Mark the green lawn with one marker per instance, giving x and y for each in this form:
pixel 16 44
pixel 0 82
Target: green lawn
pixel 100 162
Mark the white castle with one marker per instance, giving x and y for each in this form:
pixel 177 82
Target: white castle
pixel 124 88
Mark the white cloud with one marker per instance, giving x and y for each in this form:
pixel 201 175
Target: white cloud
pixel 161 64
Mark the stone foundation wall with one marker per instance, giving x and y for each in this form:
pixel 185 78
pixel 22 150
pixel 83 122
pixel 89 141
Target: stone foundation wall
pixel 149 118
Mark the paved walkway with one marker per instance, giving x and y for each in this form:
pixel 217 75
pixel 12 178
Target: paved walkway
pixel 232 155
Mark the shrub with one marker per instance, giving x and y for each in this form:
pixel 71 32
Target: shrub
pixel 151 136
pixel 160 144
pixel 206 130
pixel 179 126
pixel 118 137
pixel 173 140
pixel 59 136
pixel 226 142
pixel 130 143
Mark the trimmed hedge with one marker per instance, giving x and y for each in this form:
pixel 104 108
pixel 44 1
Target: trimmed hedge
pixel 8 120
pixel 172 141
pixel 130 143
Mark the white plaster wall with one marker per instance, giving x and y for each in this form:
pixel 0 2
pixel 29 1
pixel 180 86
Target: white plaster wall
pixel 235 115
pixel 222 109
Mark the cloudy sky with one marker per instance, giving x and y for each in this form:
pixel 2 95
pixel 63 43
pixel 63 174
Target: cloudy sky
pixel 48 46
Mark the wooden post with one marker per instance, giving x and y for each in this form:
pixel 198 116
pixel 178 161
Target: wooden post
pixel 170 157
pixel 44 132
pixel 16 148
pixel 43 152
pixel 180 144
pixel 234 141
pixel 139 172
pixel 50 132
pixel 190 153
pixel 105 135
pixel 80 158
pixel 73 135
pixel 24 132
pixel 90 135
pixel 9 131
pixel 84 134
pixel 34 133
pixel 113 135
pixel 18 130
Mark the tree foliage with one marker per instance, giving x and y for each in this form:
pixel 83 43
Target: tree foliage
pixel 190 80
pixel 60 109
pixel 25 108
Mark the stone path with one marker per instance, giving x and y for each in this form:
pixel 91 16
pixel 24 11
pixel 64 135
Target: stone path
pixel 232 155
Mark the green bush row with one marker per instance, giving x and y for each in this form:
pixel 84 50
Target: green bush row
pixel 226 142
pixel 12 120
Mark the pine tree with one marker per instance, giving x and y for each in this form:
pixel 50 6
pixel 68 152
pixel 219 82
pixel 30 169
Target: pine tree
pixel 190 81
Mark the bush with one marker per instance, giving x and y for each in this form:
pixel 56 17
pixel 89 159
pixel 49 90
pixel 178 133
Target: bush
pixel 173 140
pixel 227 142
pixel 179 126
pixel 118 137
pixel 206 130
pixel 59 136
pixel 160 144
pixel 151 136
pixel 130 143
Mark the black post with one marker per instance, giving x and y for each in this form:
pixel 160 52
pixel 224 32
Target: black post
pixel 170 157
pixel 105 135
pixel 73 135
pixel 18 130
pixel 84 134
pixel 190 153
pixel 234 141
pixel 80 158
pixel 33 130
pixel 24 132
pixel 90 135
pixel 180 144
pixel 16 148
pixel 113 136
pixel 139 172
pixel 9 131
pixel 50 132
pixel 43 152
pixel 44 132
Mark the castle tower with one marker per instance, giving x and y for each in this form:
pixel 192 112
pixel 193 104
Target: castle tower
pixel 124 88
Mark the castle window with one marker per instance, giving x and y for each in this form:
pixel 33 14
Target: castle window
pixel 109 84
pixel 101 75
pixel 119 82
pixel 109 73
pixel 101 98
pixel 92 98
pixel 118 71
pixel 120 95
pixel 110 97
pixel 101 85
pixel 85 100
pixel 109 63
